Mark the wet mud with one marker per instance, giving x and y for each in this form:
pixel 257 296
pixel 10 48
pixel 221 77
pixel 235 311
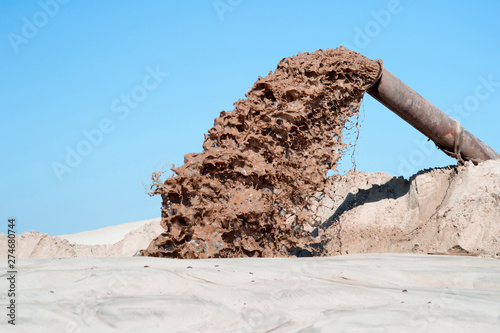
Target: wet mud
pixel 247 193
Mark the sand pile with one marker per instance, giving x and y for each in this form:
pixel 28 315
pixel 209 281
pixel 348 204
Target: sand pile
pixel 452 210
pixel 117 241
pixel 247 193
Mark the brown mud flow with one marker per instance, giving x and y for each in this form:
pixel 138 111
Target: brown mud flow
pixel 247 193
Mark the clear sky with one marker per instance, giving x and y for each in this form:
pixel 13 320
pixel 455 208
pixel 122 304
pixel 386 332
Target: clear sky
pixel 96 95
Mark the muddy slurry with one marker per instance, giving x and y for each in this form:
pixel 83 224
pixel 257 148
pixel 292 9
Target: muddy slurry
pixel 247 193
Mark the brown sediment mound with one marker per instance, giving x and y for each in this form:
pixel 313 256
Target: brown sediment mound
pixel 247 193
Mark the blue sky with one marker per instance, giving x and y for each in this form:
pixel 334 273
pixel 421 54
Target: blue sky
pixel 132 86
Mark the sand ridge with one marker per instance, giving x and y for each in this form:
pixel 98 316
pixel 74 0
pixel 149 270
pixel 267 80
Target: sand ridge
pixel 114 241
pixel 450 210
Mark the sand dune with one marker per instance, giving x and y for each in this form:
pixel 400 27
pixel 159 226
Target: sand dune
pixel 114 241
pixel 107 235
pixel 353 293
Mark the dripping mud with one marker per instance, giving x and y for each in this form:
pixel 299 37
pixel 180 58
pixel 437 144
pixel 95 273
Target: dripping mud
pixel 247 193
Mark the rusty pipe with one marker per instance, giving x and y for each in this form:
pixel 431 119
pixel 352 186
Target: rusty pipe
pixel 447 133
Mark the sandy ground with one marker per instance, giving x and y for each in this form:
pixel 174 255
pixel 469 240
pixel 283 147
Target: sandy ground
pixel 352 293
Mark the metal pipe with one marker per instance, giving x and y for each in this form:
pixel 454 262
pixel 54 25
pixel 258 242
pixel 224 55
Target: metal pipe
pixel 446 132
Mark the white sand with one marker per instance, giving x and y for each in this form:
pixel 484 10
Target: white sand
pixel 353 293
pixel 115 241
pixel 107 235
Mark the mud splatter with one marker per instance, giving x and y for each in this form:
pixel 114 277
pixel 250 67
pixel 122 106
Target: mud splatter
pixel 247 193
